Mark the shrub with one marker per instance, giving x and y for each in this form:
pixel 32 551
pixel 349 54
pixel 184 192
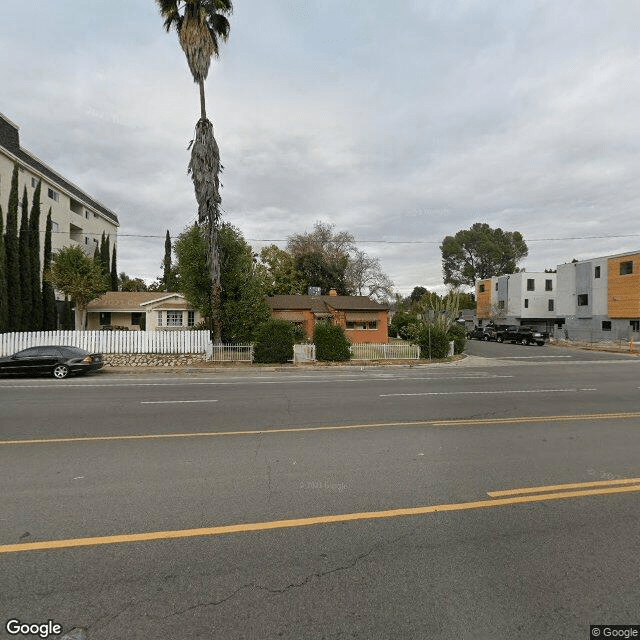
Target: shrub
pixel 434 342
pixel 331 343
pixel 458 334
pixel 274 341
pixel 298 333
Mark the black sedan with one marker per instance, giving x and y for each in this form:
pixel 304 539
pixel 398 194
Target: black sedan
pixel 482 333
pixel 56 361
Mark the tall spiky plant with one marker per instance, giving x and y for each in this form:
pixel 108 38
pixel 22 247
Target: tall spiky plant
pixel 200 25
pixel 24 262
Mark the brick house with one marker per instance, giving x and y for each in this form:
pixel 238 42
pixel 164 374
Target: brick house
pixel 362 319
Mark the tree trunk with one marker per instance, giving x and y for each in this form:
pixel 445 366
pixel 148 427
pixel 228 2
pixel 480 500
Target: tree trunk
pixel 203 111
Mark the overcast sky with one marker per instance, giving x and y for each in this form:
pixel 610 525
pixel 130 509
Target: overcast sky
pixel 399 122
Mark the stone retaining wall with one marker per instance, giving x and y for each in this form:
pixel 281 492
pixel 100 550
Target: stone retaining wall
pixel 152 359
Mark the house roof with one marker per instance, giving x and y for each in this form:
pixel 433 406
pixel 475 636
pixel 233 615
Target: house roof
pixel 131 300
pixel 323 304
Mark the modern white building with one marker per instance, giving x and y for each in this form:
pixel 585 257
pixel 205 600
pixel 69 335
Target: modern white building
pixel 600 298
pixel 518 298
pixel 78 219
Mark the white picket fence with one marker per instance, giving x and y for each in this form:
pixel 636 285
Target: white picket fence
pixel 110 341
pixel 385 351
pixel 230 352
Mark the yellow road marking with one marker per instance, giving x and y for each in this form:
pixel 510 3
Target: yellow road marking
pixel 528 419
pixel 303 522
pixel 342 427
pixel 561 487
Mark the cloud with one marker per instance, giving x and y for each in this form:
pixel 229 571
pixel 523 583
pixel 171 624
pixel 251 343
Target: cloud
pixel 394 125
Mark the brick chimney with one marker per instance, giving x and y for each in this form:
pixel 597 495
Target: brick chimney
pixel 333 292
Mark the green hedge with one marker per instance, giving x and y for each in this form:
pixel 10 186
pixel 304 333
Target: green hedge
pixel 331 343
pixel 458 334
pixel 439 342
pixel 274 340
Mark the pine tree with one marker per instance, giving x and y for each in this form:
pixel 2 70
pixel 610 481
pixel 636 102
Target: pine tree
pixel 49 311
pixel 24 260
pixel 11 247
pixel 114 270
pixel 34 248
pixel 3 280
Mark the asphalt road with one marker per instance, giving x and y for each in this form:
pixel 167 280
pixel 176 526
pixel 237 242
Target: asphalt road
pixel 333 503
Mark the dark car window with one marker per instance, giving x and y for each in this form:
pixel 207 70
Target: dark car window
pixel 73 352
pixel 28 353
pixel 50 351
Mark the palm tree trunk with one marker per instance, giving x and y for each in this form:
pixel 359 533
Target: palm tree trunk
pixel 203 111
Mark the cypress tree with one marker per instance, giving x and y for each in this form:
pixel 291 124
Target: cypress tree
pixel 34 248
pixel 114 270
pixel 24 260
pixel 3 280
pixel 12 256
pixel 106 260
pixel 66 321
pixel 166 263
pixel 49 311
pixel 103 255
pixel 96 253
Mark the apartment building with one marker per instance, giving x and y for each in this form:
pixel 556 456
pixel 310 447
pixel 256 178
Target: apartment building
pixel 78 219
pixel 518 298
pixel 600 298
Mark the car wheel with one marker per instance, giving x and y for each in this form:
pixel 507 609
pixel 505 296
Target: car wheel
pixel 60 371
pixel 525 342
pixel 486 338
pixel 498 339
pixel 541 344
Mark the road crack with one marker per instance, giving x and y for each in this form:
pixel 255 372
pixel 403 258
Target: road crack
pixel 292 585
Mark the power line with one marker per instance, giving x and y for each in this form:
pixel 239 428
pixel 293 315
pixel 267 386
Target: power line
pixel 363 241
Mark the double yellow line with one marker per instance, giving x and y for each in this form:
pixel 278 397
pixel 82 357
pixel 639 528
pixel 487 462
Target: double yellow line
pixel 526 495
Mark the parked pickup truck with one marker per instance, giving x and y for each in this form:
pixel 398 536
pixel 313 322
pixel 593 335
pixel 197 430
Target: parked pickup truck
pixel 523 335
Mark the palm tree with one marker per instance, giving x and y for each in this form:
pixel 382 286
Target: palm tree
pixel 200 25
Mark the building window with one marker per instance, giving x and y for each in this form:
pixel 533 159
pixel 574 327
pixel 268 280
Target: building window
pixel 86 239
pixel 548 285
pixel 606 325
pixel 191 318
pixel 596 272
pixel 34 182
pixel 174 318
pixel 526 303
pixel 373 325
pixel 500 304
pixel 54 195
pixel 626 268
pixel 105 318
pixel 159 319
pixel 55 227
pixel 86 214
pixel 136 317
pixel 481 288
pixel 583 300
pixel 550 305
pixel 531 284
pixel 496 286
pixel 635 325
